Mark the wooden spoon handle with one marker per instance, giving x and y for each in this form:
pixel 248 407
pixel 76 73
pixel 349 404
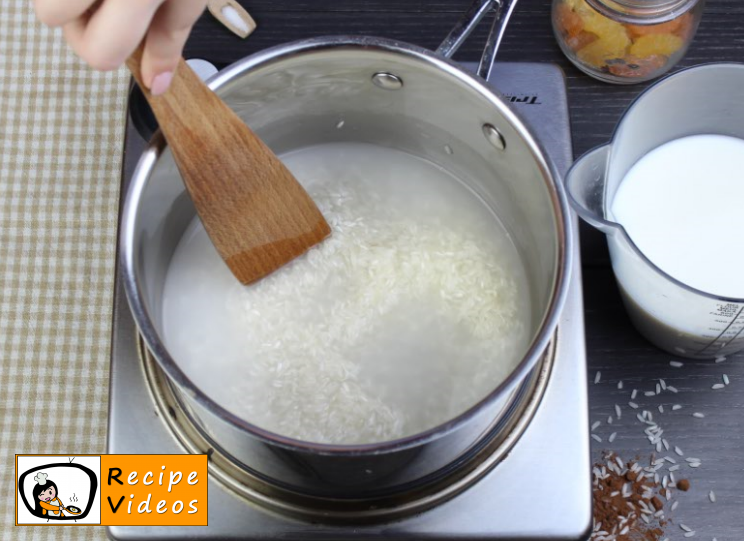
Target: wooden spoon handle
pixel 256 213
pixel 134 64
pixel 186 88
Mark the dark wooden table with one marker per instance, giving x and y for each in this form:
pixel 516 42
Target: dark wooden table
pixel 614 348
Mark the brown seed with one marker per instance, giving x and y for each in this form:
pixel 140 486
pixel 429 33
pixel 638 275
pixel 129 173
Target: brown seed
pixel 631 476
pixel 616 483
pixel 683 485
pixel 617 512
pixel 656 502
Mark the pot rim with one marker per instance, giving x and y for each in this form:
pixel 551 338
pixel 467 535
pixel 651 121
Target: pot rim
pixel 564 263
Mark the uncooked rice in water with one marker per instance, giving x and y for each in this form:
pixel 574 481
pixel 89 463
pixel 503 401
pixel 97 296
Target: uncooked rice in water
pixel 399 321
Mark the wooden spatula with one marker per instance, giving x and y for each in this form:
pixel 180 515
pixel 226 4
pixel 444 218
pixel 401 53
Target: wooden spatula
pixel 256 213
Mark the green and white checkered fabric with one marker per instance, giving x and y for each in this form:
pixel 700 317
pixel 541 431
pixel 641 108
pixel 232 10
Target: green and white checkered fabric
pixel 61 136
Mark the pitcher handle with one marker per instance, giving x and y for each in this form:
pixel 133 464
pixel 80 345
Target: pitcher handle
pixel 503 10
pixel 585 184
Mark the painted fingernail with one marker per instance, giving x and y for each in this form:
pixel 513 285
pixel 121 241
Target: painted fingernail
pixel 160 83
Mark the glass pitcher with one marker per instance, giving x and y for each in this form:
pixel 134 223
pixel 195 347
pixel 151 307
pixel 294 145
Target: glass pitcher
pixel 672 315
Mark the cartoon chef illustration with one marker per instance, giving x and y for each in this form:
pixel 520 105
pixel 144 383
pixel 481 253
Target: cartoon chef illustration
pixel 46 497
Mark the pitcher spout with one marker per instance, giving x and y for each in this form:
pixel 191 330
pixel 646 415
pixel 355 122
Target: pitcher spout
pixel 585 183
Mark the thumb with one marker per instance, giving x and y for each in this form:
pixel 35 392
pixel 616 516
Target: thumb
pixel 165 39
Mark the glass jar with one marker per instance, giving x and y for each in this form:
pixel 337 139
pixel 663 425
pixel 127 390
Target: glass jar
pixel 625 41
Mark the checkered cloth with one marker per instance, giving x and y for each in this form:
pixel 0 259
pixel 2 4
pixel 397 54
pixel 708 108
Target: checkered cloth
pixel 61 136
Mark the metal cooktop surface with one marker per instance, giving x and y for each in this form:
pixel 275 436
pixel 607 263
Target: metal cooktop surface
pixel 540 491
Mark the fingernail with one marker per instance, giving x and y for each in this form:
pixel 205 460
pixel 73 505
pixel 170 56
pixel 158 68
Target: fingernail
pixel 160 83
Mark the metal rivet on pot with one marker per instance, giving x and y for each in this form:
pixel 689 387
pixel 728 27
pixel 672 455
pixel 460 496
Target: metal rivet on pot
pixel 388 81
pixel 494 136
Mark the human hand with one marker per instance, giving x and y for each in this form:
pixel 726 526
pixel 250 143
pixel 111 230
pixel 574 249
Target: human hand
pixel 105 32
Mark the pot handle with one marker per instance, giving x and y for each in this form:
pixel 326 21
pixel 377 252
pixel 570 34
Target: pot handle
pixel 475 14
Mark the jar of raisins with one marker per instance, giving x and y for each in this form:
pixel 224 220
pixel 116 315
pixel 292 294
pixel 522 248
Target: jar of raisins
pixel 625 41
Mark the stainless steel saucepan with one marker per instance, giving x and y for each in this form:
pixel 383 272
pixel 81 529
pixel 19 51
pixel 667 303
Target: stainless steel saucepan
pixel 396 95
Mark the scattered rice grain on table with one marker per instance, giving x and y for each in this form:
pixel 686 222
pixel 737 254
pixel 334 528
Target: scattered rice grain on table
pixel 663 482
